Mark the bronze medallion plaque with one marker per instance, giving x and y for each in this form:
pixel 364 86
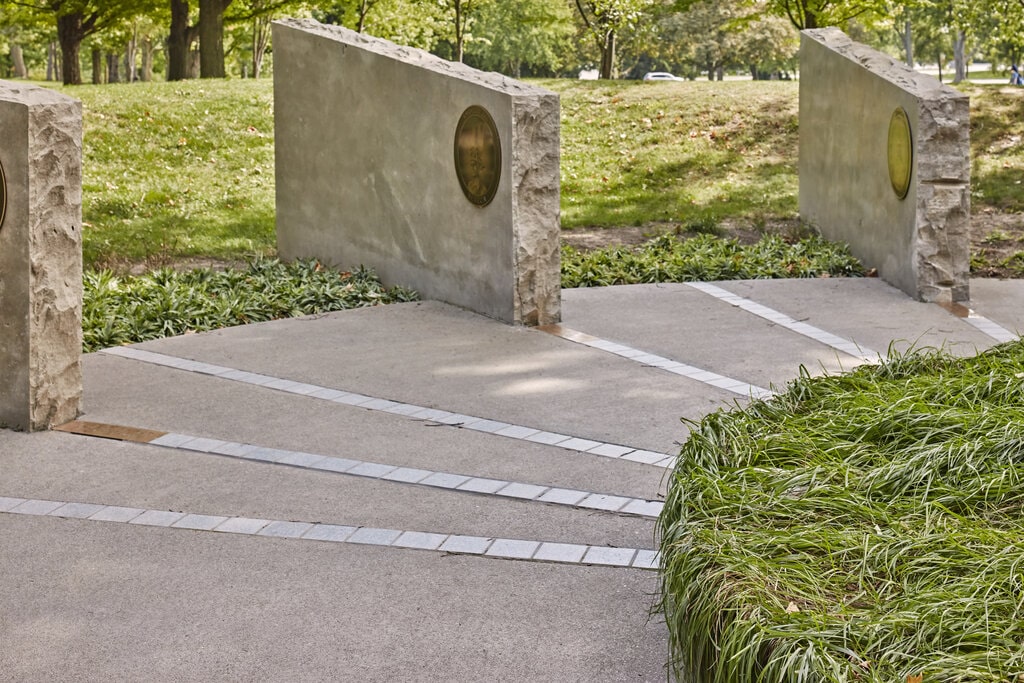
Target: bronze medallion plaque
pixel 3 195
pixel 901 152
pixel 477 155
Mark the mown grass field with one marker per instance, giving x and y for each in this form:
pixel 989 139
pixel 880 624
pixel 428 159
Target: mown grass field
pixel 185 170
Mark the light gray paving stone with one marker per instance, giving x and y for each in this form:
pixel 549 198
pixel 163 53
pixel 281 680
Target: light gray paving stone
pixel 628 352
pixel 36 507
pixel 157 518
pixel 408 475
pixel 507 547
pixel 704 376
pixel 351 399
pixel 517 432
pixel 7 503
pixel 647 559
pixel 602 344
pixel 646 457
pixel 203 445
pixel 560 552
pixel 242 525
pixel 207 369
pixel 469 545
pixel 379 404
pixel 526 491
pixel 76 510
pixel 420 540
pixel 430 414
pixel 481 485
pixel 610 450
pixel 668 463
pixel 648 359
pixel 371 536
pixel 237 450
pixel 302 459
pixel 563 496
pixel 445 480
pixel 486 426
pixel 327 394
pixel 599 501
pixel 116 513
pixel 329 532
pixel 666 364
pixel 236 375
pixel 257 379
pixel 549 438
pixel 578 444
pixel 282 384
pixel 199 522
pixel 303 389
pixel 404 409
pixel 645 508
pixel 267 454
pixel 456 419
pixel 285 529
pixel 615 557
pixel 371 469
pixel 335 464
pixel 726 383
pixel 172 440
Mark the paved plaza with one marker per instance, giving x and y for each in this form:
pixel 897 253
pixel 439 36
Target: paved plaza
pixel 407 492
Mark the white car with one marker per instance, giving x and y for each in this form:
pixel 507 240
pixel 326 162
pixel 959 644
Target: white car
pixel 660 76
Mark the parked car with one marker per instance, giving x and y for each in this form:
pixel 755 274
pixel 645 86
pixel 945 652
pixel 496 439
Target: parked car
pixel 661 76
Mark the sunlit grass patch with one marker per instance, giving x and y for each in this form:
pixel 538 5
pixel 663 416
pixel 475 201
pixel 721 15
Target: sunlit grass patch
pixel 863 527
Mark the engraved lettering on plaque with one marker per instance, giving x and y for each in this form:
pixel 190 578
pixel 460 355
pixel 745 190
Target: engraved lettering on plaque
pixel 477 155
pixel 901 152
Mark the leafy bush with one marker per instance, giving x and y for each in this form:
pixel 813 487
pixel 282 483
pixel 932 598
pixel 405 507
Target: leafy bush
pixel 863 527
pixel 164 303
pixel 706 257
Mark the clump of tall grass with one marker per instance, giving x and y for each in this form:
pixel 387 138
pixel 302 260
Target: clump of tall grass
pixel 862 527
pixel 123 310
pixel 706 257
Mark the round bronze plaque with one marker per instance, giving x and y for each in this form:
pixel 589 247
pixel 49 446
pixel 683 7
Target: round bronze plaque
pixel 901 152
pixel 477 155
pixel 3 195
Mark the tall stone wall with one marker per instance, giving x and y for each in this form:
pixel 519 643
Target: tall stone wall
pixel 849 94
pixel 366 172
pixel 40 257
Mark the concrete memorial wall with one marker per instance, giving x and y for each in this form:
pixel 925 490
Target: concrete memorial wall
pixel 440 177
pixel 40 257
pixel 885 164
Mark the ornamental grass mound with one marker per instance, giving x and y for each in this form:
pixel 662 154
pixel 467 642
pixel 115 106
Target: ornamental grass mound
pixel 862 527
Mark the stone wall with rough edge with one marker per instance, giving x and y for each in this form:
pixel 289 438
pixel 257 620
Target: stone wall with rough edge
pixel 40 258
pixel 364 145
pixel 848 93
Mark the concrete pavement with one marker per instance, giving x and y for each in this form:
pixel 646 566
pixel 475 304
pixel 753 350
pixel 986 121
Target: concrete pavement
pixel 409 492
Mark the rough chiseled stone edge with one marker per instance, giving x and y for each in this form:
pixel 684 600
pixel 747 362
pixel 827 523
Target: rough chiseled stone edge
pixel 537 299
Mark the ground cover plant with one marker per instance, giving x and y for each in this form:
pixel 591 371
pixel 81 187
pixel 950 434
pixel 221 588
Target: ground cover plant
pixel 862 527
pixel 669 258
pixel 123 309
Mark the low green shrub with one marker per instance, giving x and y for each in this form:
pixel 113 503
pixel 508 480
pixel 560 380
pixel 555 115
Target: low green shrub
pixel 164 303
pixel 862 527
pixel 706 257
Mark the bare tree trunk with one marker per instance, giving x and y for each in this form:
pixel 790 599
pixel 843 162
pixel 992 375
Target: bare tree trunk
pixel 608 56
pixel 52 66
pixel 192 69
pixel 70 33
pixel 959 58
pixel 458 30
pixel 113 73
pixel 147 60
pixel 179 43
pixel 211 38
pixel 260 40
pixel 130 55
pixel 18 58
pixel 908 42
pixel 97 66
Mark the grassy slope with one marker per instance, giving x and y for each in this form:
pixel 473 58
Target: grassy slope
pixel 184 169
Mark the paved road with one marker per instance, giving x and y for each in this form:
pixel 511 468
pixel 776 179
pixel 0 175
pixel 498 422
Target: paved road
pixel 409 492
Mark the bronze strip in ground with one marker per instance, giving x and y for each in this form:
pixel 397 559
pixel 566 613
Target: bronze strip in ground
pixel 108 431
pixel 567 333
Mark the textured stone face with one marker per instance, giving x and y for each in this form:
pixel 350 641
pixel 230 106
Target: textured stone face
pixel 365 167
pixel 847 94
pixel 40 258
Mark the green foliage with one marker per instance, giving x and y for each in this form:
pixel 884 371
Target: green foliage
pixel 863 527
pixel 124 310
pixel 706 257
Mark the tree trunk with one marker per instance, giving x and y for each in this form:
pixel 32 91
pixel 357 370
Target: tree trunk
pixel 130 55
pixel 70 34
pixel 192 70
pixel 260 40
pixel 959 58
pixel 361 23
pixel 97 66
pixel 211 38
pixel 52 72
pixel 113 74
pixel 908 42
pixel 147 60
pixel 18 58
pixel 608 55
pixel 179 43
pixel 458 30
pixel 720 73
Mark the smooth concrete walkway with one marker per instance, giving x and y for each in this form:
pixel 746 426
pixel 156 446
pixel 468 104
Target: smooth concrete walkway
pixel 409 492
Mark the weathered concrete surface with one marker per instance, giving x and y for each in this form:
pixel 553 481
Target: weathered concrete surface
pixel 366 176
pixel 848 93
pixel 40 258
